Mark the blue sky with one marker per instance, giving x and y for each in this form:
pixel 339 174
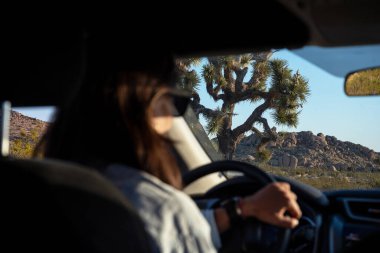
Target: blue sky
pixel 43 113
pixel 328 110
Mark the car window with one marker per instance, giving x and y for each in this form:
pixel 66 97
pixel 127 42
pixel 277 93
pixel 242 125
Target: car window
pixel 287 114
pixel 27 126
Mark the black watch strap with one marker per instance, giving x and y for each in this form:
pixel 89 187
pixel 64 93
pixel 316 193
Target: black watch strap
pixel 233 211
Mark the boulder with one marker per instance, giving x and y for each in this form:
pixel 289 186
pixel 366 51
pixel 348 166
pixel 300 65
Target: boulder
pixel 305 138
pixel 290 140
pixel 331 140
pixel 289 161
pixel 371 155
pixel 331 168
pixel 274 162
pixel 285 160
pixel 250 158
pixel 251 140
pixel 293 162
pixel 321 139
pixel 302 161
pixel 341 166
pixel 316 151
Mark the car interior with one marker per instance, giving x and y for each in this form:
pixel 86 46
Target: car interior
pixel 51 205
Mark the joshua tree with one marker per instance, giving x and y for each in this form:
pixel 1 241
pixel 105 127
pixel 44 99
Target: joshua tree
pixel 269 82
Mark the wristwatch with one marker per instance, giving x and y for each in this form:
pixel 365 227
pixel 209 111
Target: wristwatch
pixel 233 209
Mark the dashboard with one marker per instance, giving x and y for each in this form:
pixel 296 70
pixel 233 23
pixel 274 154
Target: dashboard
pixel 352 221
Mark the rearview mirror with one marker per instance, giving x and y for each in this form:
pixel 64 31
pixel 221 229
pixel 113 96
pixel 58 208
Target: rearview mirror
pixel 363 82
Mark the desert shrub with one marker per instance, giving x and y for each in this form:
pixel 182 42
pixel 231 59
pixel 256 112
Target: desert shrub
pixel 324 179
pixel 21 149
pixel 263 156
pixel 23 145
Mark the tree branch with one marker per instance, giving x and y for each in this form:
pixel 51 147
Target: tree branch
pixel 201 109
pixel 257 131
pixel 267 129
pixel 212 91
pixel 255 115
pixel 250 93
pixel 257 75
pixel 228 75
pixel 240 74
pixel 256 78
pixel 262 55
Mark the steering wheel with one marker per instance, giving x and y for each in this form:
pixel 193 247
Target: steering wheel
pixel 251 235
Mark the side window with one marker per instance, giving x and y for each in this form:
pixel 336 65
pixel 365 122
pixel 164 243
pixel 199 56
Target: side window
pixel 27 126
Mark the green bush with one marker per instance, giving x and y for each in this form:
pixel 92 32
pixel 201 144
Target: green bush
pixel 23 133
pixel 21 149
pixel 263 156
pixel 23 145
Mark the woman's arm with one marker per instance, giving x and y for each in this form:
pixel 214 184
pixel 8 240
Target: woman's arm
pixel 268 205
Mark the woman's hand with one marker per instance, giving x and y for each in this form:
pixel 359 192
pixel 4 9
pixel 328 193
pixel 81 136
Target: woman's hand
pixel 270 205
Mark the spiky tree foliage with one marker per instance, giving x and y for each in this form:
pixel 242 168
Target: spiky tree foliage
pixel 228 79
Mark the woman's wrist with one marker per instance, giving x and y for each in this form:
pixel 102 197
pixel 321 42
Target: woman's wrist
pixel 221 219
pixel 247 207
pixel 241 207
pixel 233 210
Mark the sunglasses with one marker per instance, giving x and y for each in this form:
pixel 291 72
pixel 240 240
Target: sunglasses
pixel 181 100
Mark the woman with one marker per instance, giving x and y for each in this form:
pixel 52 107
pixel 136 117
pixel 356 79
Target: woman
pixel 117 123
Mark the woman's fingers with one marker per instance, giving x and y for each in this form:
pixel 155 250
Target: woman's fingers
pixel 284 186
pixel 294 210
pixel 287 222
pixel 272 204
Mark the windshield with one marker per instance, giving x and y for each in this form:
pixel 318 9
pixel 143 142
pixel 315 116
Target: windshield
pixel 289 114
pixel 285 111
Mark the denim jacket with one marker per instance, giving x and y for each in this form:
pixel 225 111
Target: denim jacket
pixel 172 219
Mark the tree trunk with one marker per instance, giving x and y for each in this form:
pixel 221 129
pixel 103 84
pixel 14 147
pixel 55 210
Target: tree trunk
pixel 226 144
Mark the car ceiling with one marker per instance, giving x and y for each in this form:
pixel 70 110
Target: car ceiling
pixel 46 59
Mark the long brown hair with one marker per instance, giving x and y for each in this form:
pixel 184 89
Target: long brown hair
pixel 108 121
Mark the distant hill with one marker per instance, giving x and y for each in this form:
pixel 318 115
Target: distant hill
pixel 291 150
pixel 304 149
pixel 25 133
